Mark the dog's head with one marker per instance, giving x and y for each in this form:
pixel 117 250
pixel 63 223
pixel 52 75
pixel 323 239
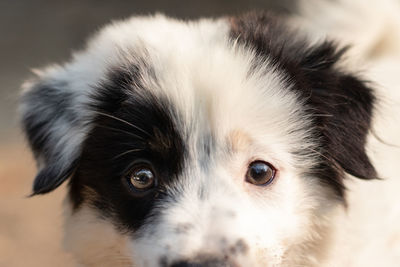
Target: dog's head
pixel 209 143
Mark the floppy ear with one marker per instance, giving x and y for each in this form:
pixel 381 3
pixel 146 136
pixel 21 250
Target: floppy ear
pixel 53 120
pixel 342 105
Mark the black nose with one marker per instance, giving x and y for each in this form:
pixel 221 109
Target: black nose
pixel 201 263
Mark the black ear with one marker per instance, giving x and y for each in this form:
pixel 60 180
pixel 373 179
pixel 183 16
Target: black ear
pixel 341 104
pixel 53 121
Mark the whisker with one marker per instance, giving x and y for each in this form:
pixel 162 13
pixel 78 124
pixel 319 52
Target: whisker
pixel 127 152
pixel 321 115
pixel 319 153
pixel 122 131
pixel 124 121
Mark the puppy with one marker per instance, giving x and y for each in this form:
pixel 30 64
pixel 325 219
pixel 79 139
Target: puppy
pixel 216 142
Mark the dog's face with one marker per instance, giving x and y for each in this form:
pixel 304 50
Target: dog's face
pixel 209 143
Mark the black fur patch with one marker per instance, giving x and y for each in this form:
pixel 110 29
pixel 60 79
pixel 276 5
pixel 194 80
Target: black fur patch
pixel 47 106
pixel 131 126
pixel 340 103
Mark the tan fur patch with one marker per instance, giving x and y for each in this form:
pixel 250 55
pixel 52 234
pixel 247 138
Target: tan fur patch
pixel 239 140
pixel 94 241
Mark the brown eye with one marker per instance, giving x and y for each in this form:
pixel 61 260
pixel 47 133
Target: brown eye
pixel 142 178
pixel 260 173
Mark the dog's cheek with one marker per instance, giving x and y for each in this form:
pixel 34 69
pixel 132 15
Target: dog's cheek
pixel 309 221
pixel 294 221
pixel 93 240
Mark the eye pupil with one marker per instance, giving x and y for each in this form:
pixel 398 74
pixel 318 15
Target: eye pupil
pixel 257 171
pixel 260 173
pixel 142 178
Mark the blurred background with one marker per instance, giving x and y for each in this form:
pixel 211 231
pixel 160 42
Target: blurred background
pixel 34 33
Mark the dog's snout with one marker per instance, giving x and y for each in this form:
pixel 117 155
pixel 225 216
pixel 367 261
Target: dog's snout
pixel 208 262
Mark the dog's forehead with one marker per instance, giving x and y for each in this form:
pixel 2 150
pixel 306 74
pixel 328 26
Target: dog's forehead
pixel 211 81
pixel 215 92
pixel 217 99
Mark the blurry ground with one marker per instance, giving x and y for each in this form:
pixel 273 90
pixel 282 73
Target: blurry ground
pixel 29 227
pixel 35 33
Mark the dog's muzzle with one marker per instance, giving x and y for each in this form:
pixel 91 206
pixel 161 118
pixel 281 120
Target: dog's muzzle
pixel 204 262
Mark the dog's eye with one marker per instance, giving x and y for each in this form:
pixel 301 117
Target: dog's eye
pixel 260 173
pixel 142 178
